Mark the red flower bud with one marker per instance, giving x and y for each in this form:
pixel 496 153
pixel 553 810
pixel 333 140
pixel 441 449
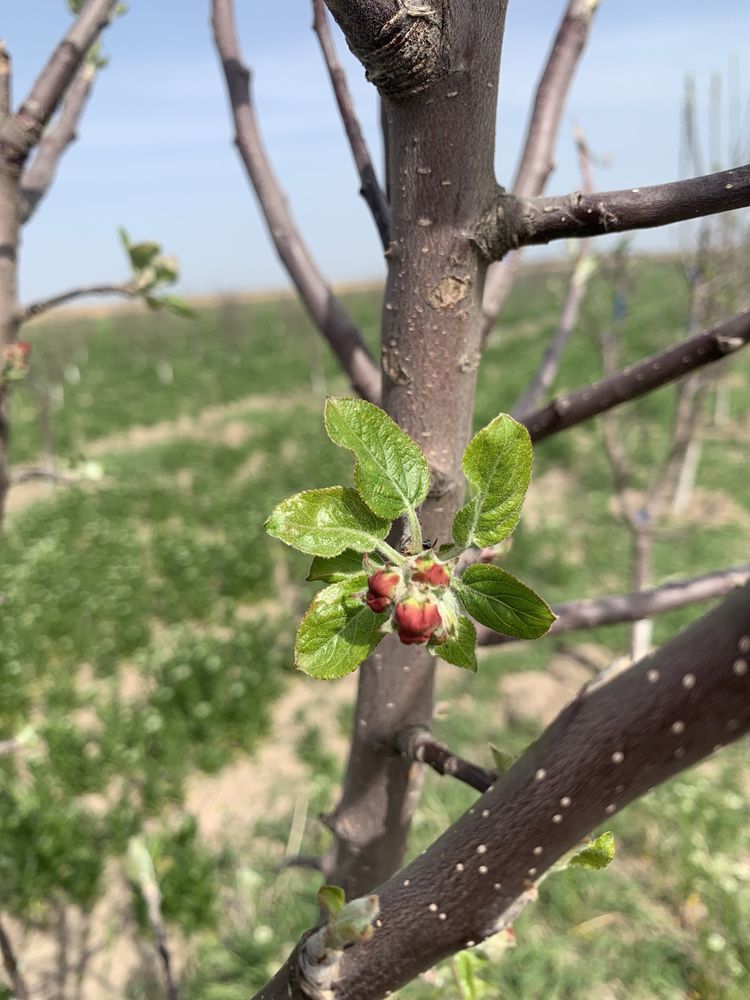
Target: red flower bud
pixel 381 589
pixel 416 619
pixel 430 571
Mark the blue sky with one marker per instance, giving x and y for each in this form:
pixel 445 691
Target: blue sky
pixel 155 150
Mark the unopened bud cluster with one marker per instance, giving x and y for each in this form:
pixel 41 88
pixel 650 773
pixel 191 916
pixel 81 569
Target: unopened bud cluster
pixel 418 597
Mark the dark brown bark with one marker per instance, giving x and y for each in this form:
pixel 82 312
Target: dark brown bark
pixel 615 741
pixel 430 342
pixel 420 746
pixel 371 190
pixel 515 222
pixel 640 378
pixel 324 308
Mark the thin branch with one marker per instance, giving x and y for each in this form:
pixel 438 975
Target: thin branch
pixel 541 220
pixel 325 309
pixel 640 378
pixel 595 612
pixel 309 861
pixel 10 963
pixel 419 744
pixel 371 190
pixel 536 163
pixel 21 132
pixel 5 81
pixel 39 174
pixel 583 269
pixel 37 474
pixel 127 290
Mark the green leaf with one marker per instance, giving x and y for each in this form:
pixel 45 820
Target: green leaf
pixel 501 602
pixel 461 651
pixel 326 522
pixel 331 898
pixel 497 463
pixel 178 306
pixel 597 854
pixel 391 473
pixel 338 631
pixel 167 269
pixel 336 568
pixel 142 254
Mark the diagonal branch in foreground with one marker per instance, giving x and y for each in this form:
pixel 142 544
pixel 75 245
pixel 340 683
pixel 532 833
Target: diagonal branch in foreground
pixel 515 222
pixel 588 613
pixel 371 190
pixel 324 308
pixel 536 163
pixel 39 174
pixel 21 132
pixel 614 742
pixel 641 378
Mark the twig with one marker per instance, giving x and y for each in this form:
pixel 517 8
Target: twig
pixel 21 132
pixel 39 174
pixel 10 963
pixel 309 861
pixel 142 872
pixel 5 81
pixel 592 613
pixel 536 162
pixel 582 270
pixel 127 290
pixel 541 220
pixel 325 309
pixel 41 475
pixel 371 190
pixel 641 378
pixel 420 745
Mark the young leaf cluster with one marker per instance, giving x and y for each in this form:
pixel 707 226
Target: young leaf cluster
pixel 373 588
pixel 153 271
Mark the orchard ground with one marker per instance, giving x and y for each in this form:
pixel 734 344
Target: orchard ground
pixel 147 628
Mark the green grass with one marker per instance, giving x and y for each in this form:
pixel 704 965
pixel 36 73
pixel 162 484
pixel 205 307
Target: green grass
pixel 147 623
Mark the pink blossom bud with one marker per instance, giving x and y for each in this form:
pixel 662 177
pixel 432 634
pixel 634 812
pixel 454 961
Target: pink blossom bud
pixel 381 589
pixel 431 571
pixel 416 619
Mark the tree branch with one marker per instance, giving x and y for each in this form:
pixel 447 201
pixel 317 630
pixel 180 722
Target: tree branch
pixel 5 81
pixel 371 190
pixel 536 163
pixel 615 741
pixel 583 268
pixel 39 174
pixel 10 963
pixel 21 132
pixel 325 309
pixel 518 222
pixel 418 744
pixel 127 290
pixel 595 612
pixel 640 378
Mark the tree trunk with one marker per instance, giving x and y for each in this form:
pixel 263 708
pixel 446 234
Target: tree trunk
pixel 441 179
